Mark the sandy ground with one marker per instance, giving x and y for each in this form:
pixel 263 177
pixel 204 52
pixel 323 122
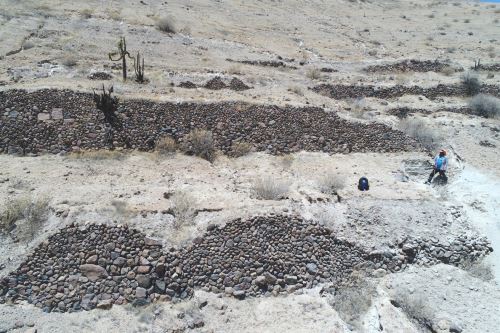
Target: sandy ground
pixel 345 35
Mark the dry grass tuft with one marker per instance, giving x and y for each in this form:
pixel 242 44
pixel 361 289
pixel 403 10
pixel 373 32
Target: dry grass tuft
pixel 183 207
pixel 166 146
pixel 418 129
pixel 478 269
pixel 166 24
pixel 239 149
pixel 352 301
pixel 331 183
pixel 24 217
pixel 485 105
pixel 97 155
pixel 471 83
pixel 269 188
pixel 200 143
pixel 313 73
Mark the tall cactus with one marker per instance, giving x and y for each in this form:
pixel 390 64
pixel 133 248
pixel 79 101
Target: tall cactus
pixel 139 68
pixel 122 53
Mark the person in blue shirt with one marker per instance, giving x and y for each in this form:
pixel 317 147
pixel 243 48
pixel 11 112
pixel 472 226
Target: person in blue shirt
pixel 440 166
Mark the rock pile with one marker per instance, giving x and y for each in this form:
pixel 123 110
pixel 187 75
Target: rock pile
pixel 217 84
pixel 61 121
pixel 411 66
pixel 83 267
pixel 351 91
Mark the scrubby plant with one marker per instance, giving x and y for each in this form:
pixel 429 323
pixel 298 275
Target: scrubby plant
pixel 166 146
pixel 417 129
pixel 122 55
pixel 478 269
pixel 166 24
pixel 471 84
pixel 313 73
pixel 183 208
pixel 331 183
pixel 24 215
pixel 353 300
pixel 106 103
pixel 268 188
pixel 239 149
pixel 296 90
pixel 485 106
pixel 200 143
pixel 69 61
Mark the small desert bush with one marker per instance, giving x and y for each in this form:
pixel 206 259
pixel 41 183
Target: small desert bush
pixel 417 129
pixel 166 24
pixel 287 161
pixel 166 146
pixel 87 13
pixel 296 90
pixel 98 155
pixel 183 208
pixel 239 149
pixel 415 306
pixel 485 105
pixel 448 71
pixel 234 70
pixel 69 61
pixel 331 183
pixel 353 300
pixel 471 83
pixel 200 143
pixel 478 269
pixel 268 188
pixel 313 73
pixel 28 45
pixel 24 215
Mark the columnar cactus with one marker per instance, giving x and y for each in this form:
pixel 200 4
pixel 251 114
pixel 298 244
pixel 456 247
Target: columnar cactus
pixel 122 53
pixel 139 68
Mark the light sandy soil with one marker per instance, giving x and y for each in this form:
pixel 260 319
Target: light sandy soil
pixel 345 35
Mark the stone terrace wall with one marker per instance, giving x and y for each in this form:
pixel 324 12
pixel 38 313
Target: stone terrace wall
pixel 61 120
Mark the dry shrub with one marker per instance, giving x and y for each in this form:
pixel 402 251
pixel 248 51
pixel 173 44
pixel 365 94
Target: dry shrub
pixel 166 146
pixel 417 129
pixel 485 106
pixel 331 183
pixel 98 155
pixel 166 24
pixel 287 161
pixel 269 188
pixel 234 70
pixel 414 306
pixel 69 61
pixel 183 208
pixel 471 83
pixel 200 143
pixel 239 149
pixel 448 71
pixel 353 300
pixel 358 108
pixel 478 269
pixel 24 216
pixel 296 90
pixel 313 73
pixel 87 13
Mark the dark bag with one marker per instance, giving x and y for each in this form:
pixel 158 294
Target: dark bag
pixel 363 184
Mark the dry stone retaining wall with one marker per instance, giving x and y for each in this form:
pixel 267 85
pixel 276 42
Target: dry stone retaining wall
pixel 83 267
pixel 62 120
pixel 350 91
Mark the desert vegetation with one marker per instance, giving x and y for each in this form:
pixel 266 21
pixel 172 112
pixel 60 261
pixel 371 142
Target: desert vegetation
pixel 269 188
pixel 24 216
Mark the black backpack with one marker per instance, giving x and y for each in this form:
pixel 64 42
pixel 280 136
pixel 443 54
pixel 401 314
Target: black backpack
pixel 363 184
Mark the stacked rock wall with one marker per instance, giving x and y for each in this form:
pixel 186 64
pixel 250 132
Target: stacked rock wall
pixel 61 121
pixel 83 267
